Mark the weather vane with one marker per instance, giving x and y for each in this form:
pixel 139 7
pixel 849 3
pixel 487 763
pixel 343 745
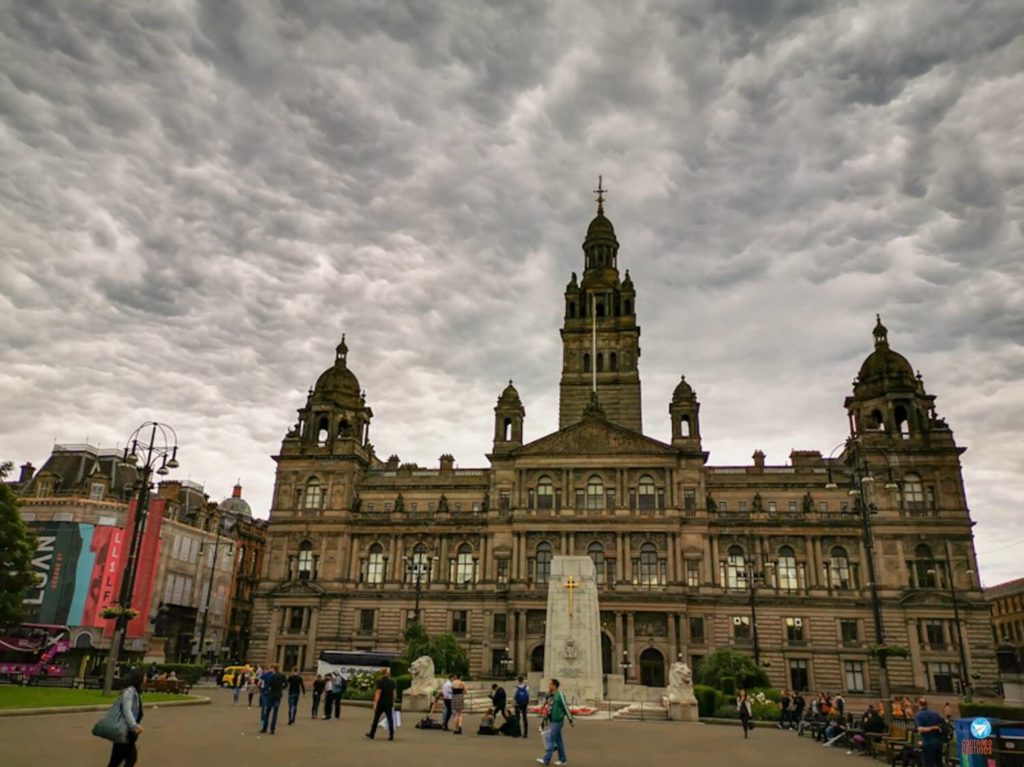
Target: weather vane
pixel 600 192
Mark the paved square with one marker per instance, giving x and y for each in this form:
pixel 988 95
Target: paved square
pixel 222 735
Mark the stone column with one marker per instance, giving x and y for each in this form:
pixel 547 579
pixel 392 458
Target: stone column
pixel 523 574
pixel 673 643
pixel 670 555
pixel 618 647
pixel 314 625
pixel 394 561
pixel 916 664
pixel 521 662
pixel 485 566
pixel 443 561
pixel 631 642
pixel 714 561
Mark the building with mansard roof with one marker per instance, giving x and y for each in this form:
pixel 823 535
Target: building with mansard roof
pixel 690 556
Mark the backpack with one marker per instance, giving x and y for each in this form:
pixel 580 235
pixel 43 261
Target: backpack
pixel 522 695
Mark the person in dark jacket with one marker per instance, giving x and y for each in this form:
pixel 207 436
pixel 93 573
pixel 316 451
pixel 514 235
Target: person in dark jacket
pixel 131 710
pixel 318 690
pixel 296 688
pixel 746 712
pixel 499 701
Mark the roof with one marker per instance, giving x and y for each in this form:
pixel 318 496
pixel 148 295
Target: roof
pixel 595 435
pixel 1000 590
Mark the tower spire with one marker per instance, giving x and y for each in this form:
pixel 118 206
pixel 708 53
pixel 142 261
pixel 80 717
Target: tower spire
pixel 600 192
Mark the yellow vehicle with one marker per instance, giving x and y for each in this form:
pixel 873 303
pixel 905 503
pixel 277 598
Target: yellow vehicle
pixel 228 678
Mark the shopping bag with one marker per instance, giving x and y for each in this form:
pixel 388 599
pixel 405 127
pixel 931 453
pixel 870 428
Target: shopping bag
pixel 545 736
pixel 112 726
pixel 396 717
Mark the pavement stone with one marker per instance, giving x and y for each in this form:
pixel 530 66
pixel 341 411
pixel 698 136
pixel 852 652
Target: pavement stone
pixel 223 735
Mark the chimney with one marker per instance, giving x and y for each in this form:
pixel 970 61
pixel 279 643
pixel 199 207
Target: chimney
pixel 758 459
pixel 27 472
pixel 447 463
pixel 237 492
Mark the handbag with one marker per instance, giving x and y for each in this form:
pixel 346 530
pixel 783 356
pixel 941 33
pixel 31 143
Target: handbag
pixel 112 726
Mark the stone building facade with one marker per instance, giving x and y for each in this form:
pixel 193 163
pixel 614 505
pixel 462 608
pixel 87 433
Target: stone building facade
pixel 85 485
pixel 357 543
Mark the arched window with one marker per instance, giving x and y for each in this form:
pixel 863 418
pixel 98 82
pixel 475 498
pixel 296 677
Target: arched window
pixel 322 432
pixel 628 307
pixel 684 426
pixel 613 362
pixel 306 561
pixel 788 580
pixel 464 565
pixel 600 309
pixel 595 493
pixel 879 419
pixel 545 493
pixel 419 565
pixel 344 428
pixel 507 431
pixel 648 565
pixel 925 566
pixel 537 658
pixel 313 495
pixel 586 362
pixel 646 493
pixel 375 565
pixel 600 362
pixel 902 421
pixel 596 553
pixel 735 569
pixel 543 562
pixel 839 568
pixel 572 308
pixel 913 493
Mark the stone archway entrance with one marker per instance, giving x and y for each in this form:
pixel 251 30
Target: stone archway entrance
pixel 652 668
pixel 606 654
pixel 537 659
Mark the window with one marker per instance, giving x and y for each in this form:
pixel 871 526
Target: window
pixel 697 630
pixel 799 679
pixel 366 621
pixel 646 493
pixel 296 619
pixel 306 572
pixel 689 500
pixel 595 493
pixel 503 571
pixel 500 626
pixel 649 565
pixel 586 362
pixel 464 565
pixel 924 566
pixel 823 507
pixel 596 553
pixel 375 565
pixel 294 656
pixel 459 622
pixel 723 507
pixel 942 675
pixel 96 491
pixel 854 672
pixel 313 496
pixel 741 506
pixel 848 632
pixel 794 630
pixel 543 562
pixel 693 574
pixel 791 506
pixel 419 565
pixel 786 569
pixel 839 569
pixel 913 493
pixel 504 500
pixel 735 569
pixel 741 628
pixel 581 499
pixel 932 634
pixel 545 494
pixel 773 507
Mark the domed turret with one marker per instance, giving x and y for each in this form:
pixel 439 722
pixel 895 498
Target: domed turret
pixel 235 505
pixel 685 412
pixel 683 390
pixel 508 420
pixel 336 412
pixel 884 369
pixel 338 385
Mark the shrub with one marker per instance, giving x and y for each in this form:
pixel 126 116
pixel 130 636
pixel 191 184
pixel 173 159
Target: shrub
pixel 189 672
pixel 729 663
pixel 727 712
pixel 771 693
pixel 707 699
pixel 995 710
pixel 399 668
pixel 402 683
pixel 351 694
pixel 728 685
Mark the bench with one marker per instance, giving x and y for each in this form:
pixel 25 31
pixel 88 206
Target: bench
pixel 174 686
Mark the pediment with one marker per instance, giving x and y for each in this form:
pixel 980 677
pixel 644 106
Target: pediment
pixel 925 598
pixel 297 589
pixel 595 436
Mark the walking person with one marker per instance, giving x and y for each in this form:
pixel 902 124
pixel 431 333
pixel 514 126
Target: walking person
pixel 384 704
pixel 274 682
pixel 236 687
pixel 929 726
pixel 446 697
pixel 253 686
pixel 558 714
pixel 784 703
pixel 130 701
pixel 340 685
pixel 318 691
pixel 799 704
pixel 458 703
pixel 296 688
pixel 499 701
pixel 522 700
pixel 746 712
pixel 329 686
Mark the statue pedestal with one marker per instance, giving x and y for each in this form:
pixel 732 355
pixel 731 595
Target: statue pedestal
pixel 683 712
pixel 416 701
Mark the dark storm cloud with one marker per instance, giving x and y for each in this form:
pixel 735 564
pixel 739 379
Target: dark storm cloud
pixel 198 199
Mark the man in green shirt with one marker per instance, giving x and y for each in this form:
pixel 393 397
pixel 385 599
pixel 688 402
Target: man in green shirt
pixel 558 714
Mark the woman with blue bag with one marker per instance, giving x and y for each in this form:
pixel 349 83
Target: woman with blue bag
pixel 121 723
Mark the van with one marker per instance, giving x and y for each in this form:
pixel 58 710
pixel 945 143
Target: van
pixel 228 677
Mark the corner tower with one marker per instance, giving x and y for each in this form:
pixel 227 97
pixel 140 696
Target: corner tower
pixel 600 337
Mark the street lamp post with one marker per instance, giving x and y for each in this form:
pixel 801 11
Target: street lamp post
pixel 506 664
pixel 966 686
pixel 201 650
pixel 625 666
pixel 160 455
pixel 753 575
pixel 418 566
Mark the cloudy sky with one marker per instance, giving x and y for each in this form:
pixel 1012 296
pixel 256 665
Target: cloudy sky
pixel 197 199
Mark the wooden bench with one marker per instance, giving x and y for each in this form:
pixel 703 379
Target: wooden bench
pixel 174 686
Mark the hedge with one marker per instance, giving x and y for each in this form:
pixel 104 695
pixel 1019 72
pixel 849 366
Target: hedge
pixel 188 672
pixel 996 710
pixel 707 699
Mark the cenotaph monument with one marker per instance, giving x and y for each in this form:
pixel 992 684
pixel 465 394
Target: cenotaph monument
pixel 572 639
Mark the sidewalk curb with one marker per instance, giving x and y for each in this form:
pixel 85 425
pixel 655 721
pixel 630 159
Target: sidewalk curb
pixel 198 701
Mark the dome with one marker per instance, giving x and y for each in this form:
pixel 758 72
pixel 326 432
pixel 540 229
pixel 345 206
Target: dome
pixel 600 227
pixel 338 383
pixel 683 390
pixel 510 395
pixel 236 506
pixel 884 367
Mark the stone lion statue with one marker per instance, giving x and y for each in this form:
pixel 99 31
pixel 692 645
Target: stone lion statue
pixel 680 684
pixel 422 670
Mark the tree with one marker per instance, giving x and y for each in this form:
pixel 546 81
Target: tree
pixel 17 547
pixel 417 642
pixel 448 655
pixel 729 664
